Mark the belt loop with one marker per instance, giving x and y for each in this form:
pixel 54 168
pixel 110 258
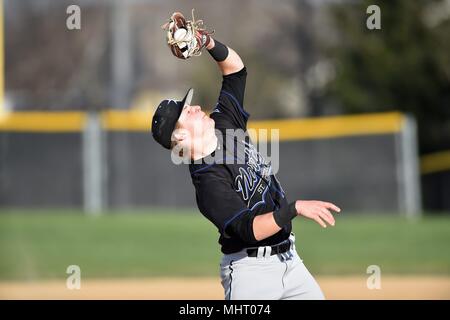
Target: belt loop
pixel 292 241
pixel 260 253
pixel 268 252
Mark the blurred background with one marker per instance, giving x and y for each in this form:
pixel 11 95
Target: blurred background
pixel 364 120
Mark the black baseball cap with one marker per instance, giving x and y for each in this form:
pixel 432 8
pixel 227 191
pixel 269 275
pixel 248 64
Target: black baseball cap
pixel 166 116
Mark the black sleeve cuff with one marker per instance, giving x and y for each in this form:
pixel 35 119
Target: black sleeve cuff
pixel 285 214
pixel 219 52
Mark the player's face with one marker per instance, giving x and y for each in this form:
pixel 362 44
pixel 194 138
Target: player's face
pixel 196 121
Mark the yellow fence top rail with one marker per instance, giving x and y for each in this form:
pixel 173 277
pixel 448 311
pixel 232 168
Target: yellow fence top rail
pixel 335 126
pixel 42 121
pixel 435 162
pixel 127 120
pixel 289 129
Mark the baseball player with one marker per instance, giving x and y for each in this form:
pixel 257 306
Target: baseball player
pixel 235 187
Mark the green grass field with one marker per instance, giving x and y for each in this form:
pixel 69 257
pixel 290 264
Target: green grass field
pixel 41 245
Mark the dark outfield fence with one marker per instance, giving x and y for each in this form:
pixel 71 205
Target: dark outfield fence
pixel 435 169
pixel 363 163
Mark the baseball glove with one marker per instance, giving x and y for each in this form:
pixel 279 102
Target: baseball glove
pixel 186 38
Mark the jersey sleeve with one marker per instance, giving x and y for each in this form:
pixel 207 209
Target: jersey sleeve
pixel 229 111
pixel 219 203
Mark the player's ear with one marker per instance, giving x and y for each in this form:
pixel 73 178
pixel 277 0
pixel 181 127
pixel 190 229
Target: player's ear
pixel 179 135
pixel 180 142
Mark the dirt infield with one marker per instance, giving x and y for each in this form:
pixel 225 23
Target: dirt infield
pixel 407 287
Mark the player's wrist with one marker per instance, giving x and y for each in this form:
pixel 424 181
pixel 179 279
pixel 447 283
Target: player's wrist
pixel 219 51
pixel 211 44
pixel 285 214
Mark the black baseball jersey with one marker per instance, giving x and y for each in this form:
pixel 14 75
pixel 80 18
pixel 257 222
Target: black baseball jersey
pixel 235 183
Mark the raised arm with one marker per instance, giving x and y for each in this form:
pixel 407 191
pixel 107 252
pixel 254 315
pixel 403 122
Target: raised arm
pixel 227 59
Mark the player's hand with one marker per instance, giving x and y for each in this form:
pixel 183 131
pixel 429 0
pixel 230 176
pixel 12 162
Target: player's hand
pixel 319 211
pixel 186 38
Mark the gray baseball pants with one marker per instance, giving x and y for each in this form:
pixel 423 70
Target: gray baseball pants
pixel 268 277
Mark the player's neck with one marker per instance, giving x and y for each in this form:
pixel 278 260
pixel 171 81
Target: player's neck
pixel 208 147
